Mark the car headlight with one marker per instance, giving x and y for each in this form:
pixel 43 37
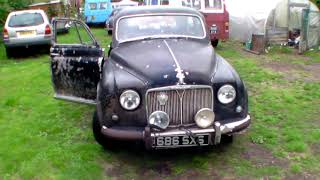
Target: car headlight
pixel 226 94
pixel 159 119
pixel 204 118
pixel 129 100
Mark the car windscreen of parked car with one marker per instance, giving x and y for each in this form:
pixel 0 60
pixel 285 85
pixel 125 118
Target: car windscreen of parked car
pixel 26 19
pixel 157 26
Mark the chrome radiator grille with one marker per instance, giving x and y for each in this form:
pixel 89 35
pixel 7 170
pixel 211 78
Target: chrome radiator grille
pixel 181 103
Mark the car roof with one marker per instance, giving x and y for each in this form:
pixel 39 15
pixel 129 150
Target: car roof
pixel 141 10
pixel 27 11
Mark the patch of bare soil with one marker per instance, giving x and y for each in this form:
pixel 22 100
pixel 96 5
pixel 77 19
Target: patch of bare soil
pixel 161 169
pixel 262 157
pixel 192 174
pixel 293 72
pixel 301 176
pixel 112 170
pixel 315 148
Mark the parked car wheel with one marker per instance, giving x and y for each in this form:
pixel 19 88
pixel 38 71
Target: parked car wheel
pixel 9 52
pixel 96 128
pixel 109 32
pixel 215 42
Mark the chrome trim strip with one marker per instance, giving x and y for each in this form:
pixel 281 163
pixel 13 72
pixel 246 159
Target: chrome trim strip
pixel 180 75
pixel 75 99
pixel 181 132
pixel 159 14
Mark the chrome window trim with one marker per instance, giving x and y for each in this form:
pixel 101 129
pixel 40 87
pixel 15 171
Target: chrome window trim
pixel 176 87
pixel 161 14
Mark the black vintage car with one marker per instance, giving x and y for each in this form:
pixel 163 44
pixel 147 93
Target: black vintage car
pixel 110 21
pixel 162 82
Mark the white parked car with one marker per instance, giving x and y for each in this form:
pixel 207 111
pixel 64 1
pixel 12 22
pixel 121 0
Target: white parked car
pixel 26 28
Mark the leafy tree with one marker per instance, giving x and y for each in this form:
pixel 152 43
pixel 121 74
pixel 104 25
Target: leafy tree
pixel 6 6
pixel 317 2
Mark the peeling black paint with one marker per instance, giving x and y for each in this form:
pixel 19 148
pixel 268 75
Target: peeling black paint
pixel 76 70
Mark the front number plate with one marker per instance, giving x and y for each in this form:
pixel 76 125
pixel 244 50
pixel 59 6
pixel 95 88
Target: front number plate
pixel 181 141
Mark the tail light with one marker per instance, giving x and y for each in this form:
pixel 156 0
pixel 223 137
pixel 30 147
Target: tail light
pixel 5 34
pixel 227 26
pixel 47 30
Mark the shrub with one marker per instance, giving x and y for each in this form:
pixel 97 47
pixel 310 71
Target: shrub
pixel 9 5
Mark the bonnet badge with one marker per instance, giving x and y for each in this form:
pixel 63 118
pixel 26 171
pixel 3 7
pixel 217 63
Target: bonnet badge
pixel 162 98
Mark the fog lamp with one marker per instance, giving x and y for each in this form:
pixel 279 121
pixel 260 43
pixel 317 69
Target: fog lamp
pixel 204 118
pixel 159 119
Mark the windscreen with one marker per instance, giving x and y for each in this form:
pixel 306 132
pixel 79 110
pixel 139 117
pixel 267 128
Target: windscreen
pixel 26 19
pixel 155 26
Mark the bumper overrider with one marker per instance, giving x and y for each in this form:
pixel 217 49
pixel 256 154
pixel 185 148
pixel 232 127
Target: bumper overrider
pixel 215 132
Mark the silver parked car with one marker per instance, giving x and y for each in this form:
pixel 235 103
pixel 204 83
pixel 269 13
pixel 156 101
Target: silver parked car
pixel 26 28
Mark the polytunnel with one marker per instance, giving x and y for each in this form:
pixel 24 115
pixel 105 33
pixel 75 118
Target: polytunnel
pixel 275 19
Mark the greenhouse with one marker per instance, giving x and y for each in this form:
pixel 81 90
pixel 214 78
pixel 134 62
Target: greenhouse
pixel 277 20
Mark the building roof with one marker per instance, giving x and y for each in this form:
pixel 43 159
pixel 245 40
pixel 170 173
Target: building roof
pixel 45 3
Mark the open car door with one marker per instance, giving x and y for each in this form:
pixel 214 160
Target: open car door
pixel 76 60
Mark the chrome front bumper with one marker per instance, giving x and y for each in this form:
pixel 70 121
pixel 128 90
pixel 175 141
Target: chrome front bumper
pixel 218 130
pixel 147 136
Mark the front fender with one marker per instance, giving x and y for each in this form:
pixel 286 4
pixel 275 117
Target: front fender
pixel 114 81
pixel 226 74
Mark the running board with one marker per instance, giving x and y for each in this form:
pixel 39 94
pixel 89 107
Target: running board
pixel 75 99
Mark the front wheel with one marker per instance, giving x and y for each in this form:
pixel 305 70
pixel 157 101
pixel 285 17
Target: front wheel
pixel 215 42
pixel 96 128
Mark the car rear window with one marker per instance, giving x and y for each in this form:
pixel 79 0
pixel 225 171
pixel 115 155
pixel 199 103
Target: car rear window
pixel 26 19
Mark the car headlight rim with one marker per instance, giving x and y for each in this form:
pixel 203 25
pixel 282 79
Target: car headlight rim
pixel 226 94
pixel 129 100
pixel 203 115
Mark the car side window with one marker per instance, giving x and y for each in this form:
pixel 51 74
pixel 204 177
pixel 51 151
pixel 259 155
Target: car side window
pixel 72 32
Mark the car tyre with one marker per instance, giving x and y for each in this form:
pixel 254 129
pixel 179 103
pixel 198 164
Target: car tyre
pixel 109 32
pixel 215 42
pixel 9 52
pixel 99 137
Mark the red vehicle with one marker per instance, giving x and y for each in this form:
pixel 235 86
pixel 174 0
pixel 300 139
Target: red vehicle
pixel 215 12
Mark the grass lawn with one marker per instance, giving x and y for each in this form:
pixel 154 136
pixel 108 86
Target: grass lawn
pixel 43 138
